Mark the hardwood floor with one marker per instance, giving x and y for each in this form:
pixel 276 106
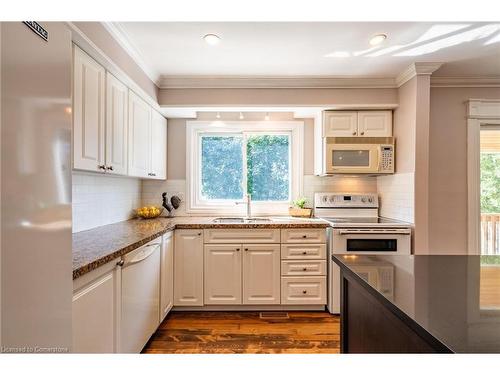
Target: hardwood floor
pixel 246 332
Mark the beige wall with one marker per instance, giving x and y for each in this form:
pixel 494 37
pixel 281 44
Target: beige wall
pixel 448 167
pixel 285 97
pixel 96 32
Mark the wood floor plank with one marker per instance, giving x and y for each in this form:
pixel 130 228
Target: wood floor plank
pixel 245 332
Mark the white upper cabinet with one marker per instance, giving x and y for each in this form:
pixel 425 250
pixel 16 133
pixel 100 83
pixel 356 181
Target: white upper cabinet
pixel 375 123
pixel 139 130
pixel 357 124
pixel 88 112
pixel 340 124
pixel 158 146
pixel 116 126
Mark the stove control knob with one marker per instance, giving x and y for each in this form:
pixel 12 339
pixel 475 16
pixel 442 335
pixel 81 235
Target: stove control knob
pixel 370 200
pixel 363 200
pixel 332 198
pixel 325 198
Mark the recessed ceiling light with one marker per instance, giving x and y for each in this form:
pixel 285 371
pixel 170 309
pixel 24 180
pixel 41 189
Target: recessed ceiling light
pixel 211 39
pixel 377 39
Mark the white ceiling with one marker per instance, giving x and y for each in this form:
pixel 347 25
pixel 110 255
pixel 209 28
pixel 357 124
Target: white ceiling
pixel 289 49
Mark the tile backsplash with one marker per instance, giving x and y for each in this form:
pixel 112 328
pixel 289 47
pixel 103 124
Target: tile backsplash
pixel 103 199
pixel 396 194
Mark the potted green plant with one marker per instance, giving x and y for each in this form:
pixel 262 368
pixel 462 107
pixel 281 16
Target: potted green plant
pixel 299 208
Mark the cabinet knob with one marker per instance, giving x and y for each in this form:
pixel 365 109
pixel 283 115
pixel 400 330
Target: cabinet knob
pixel 237 249
pixel 304 252
pixel 103 167
pixel 304 269
pixel 110 168
pixel 362 133
pixel 199 234
pixel 304 292
pixel 120 263
pixel 304 236
pixel 246 249
pixel 353 133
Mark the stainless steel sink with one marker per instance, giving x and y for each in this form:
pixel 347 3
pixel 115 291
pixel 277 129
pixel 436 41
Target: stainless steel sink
pixel 242 220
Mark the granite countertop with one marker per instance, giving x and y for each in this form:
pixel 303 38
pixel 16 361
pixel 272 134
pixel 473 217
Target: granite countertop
pixel 455 298
pixel 96 247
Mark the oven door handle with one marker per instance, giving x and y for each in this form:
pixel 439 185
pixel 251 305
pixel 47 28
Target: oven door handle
pixel 402 232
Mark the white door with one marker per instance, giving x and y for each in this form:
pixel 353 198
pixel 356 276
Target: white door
pixel 222 274
pixel 340 124
pixel 88 112
pixel 167 275
pixel 139 133
pixel 188 267
pixel 375 123
pixel 93 314
pixel 158 146
pixel 261 274
pixel 116 126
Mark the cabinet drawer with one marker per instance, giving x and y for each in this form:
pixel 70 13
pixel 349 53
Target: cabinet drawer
pixel 303 235
pixel 303 267
pixel 303 290
pixel 242 236
pixel 303 251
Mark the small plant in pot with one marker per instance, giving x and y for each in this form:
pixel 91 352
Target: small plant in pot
pixel 299 208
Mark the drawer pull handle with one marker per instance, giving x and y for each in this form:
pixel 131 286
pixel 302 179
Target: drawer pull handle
pixel 304 292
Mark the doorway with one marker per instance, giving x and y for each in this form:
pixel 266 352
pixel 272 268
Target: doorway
pixel 490 189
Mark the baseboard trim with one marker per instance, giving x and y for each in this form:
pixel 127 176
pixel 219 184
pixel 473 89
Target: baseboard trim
pixel 252 308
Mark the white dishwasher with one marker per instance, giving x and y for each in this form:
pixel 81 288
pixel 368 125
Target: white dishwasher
pixel 140 305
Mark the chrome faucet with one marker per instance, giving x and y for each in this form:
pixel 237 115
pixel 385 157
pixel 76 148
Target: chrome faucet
pixel 248 202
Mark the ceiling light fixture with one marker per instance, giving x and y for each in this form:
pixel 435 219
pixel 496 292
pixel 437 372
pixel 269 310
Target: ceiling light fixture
pixel 267 116
pixel 377 39
pixel 241 116
pixel 217 116
pixel 211 39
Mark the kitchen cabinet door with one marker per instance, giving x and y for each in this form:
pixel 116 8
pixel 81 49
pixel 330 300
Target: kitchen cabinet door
pixel 116 126
pixel 261 274
pixel 167 275
pixel 139 133
pixel 222 274
pixel 188 267
pixel 340 124
pixel 95 312
pixel 375 123
pixel 158 146
pixel 88 112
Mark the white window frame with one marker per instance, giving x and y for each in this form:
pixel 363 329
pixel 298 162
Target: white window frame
pixel 194 129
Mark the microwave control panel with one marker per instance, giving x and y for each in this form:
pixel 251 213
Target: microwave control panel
pixel 387 159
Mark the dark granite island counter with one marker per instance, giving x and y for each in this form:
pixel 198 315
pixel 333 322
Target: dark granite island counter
pixel 419 304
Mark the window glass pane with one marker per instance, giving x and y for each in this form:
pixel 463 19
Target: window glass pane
pixel 268 166
pixel 221 167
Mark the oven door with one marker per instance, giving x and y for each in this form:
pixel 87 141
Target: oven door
pixel 371 241
pixel 352 158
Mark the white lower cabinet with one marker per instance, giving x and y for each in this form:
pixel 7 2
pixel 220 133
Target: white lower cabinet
pixel 303 290
pixel 261 274
pixel 188 267
pixel 167 275
pixel 96 310
pixel 222 274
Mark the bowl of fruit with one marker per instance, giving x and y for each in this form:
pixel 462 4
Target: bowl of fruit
pixel 148 212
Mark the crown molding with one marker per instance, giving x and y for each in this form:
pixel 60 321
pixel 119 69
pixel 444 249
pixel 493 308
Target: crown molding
pixel 122 38
pixel 415 69
pixel 466 81
pixel 255 82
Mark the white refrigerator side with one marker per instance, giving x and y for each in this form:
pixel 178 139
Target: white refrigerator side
pixel 36 188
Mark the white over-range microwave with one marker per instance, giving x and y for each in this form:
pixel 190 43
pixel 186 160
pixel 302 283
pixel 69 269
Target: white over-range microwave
pixel 367 155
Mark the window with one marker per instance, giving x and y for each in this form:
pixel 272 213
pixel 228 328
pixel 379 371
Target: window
pixel 227 161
